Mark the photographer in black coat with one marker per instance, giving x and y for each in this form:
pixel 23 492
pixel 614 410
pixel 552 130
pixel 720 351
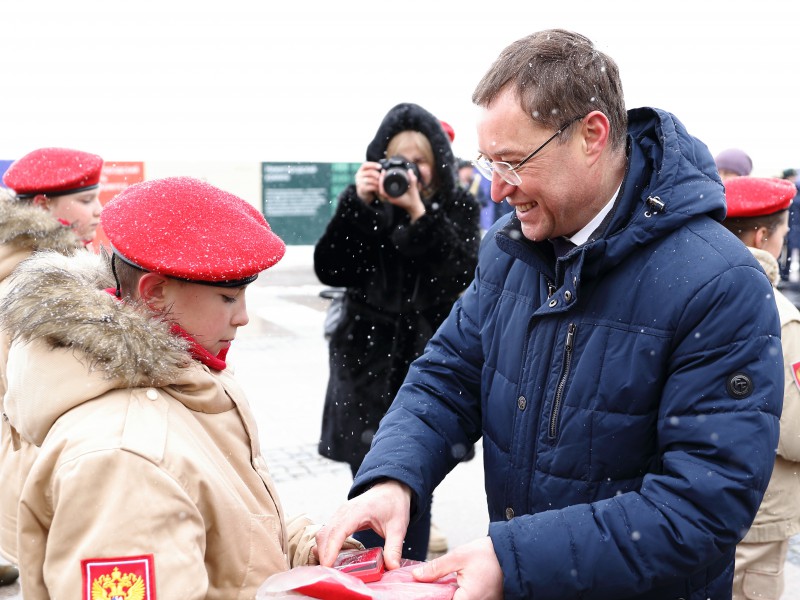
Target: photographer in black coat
pixel 404 242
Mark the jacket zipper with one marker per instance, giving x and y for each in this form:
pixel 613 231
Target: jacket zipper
pixel 562 382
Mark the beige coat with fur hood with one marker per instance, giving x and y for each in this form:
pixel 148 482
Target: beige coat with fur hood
pixel 144 452
pixel 778 517
pixel 24 228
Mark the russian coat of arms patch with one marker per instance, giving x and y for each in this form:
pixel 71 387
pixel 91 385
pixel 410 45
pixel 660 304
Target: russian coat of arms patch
pixel 125 578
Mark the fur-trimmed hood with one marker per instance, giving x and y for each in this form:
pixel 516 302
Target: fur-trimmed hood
pixel 72 340
pixel 412 117
pixel 25 228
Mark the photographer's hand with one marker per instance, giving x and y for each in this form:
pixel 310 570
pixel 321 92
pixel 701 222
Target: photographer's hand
pixel 411 201
pixel 367 181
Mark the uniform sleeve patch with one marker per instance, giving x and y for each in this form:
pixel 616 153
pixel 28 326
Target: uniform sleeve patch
pixel 125 578
pixel 796 373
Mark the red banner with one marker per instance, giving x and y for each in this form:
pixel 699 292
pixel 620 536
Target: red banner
pixel 114 178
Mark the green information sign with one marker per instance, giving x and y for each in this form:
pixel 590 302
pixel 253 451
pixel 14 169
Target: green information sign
pixel 298 199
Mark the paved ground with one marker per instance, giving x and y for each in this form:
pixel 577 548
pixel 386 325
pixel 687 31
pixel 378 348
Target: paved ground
pixel 281 361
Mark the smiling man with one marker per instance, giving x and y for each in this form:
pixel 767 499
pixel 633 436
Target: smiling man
pixel 625 377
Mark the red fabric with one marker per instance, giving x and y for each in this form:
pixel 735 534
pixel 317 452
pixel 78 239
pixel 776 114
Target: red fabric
pixel 331 590
pixel 331 584
pixel 68 224
pixel 796 373
pixel 186 228
pixel 53 170
pixel 448 130
pixel 201 354
pixel 757 196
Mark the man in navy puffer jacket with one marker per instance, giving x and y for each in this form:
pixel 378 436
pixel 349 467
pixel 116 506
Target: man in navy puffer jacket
pixel 618 351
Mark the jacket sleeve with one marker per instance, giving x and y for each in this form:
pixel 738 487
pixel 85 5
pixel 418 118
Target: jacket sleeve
pixel 717 431
pixel 302 534
pixel 446 239
pixel 436 410
pixel 347 252
pixel 789 446
pixel 101 507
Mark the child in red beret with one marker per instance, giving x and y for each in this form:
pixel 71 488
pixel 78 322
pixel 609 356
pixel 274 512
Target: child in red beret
pixel 54 207
pixel 63 182
pixel 758 214
pixel 150 475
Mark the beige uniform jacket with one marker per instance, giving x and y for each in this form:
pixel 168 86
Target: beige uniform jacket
pixel 778 517
pixel 146 456
pixel 23 229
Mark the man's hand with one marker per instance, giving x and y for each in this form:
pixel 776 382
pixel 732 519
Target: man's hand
pixel 385 507
pixel 476 567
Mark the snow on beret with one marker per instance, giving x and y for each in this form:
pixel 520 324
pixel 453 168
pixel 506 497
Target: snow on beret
pixel 188 229
pixel 757 196
pixel 53 172
pixel 734 160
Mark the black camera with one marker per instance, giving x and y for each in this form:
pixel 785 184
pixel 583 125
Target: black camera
pixel 395 180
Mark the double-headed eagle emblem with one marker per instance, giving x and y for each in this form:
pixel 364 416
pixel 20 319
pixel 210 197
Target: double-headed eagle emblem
pixel 118 586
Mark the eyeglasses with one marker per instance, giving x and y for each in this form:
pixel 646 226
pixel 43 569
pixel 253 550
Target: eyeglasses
pixel 508 172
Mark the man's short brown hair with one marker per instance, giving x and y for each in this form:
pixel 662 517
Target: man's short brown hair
pixel 558 75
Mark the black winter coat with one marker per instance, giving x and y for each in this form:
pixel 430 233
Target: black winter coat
pixel 402 279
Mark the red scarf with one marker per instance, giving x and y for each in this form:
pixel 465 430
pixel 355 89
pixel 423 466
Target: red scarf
pixel 66 223
pixel 199 353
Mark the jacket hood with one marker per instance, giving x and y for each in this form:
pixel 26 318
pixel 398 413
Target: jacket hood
pixel 671 180
pixel 412 117
pixel 63 301
pixel 72 340
pixel 667 164
pixel 25 228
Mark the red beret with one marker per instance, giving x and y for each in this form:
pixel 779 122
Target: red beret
pixel 54 172
pixel 189 229
pixel 757 196
pixel 448 130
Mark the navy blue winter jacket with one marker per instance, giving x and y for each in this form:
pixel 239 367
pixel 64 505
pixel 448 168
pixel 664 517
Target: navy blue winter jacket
pixel 628 393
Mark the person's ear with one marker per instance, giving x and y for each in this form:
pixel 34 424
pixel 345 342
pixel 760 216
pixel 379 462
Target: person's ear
pixel 595 131
pixel 41 201
pixel 153 290
pixel 760 238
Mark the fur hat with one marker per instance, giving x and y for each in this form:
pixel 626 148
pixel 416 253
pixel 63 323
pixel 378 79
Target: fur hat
pixel 734 160
pixel 757 196
pixel 188 229
pixel 53 172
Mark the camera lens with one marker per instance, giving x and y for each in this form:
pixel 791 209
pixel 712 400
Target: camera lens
pixel 395 182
